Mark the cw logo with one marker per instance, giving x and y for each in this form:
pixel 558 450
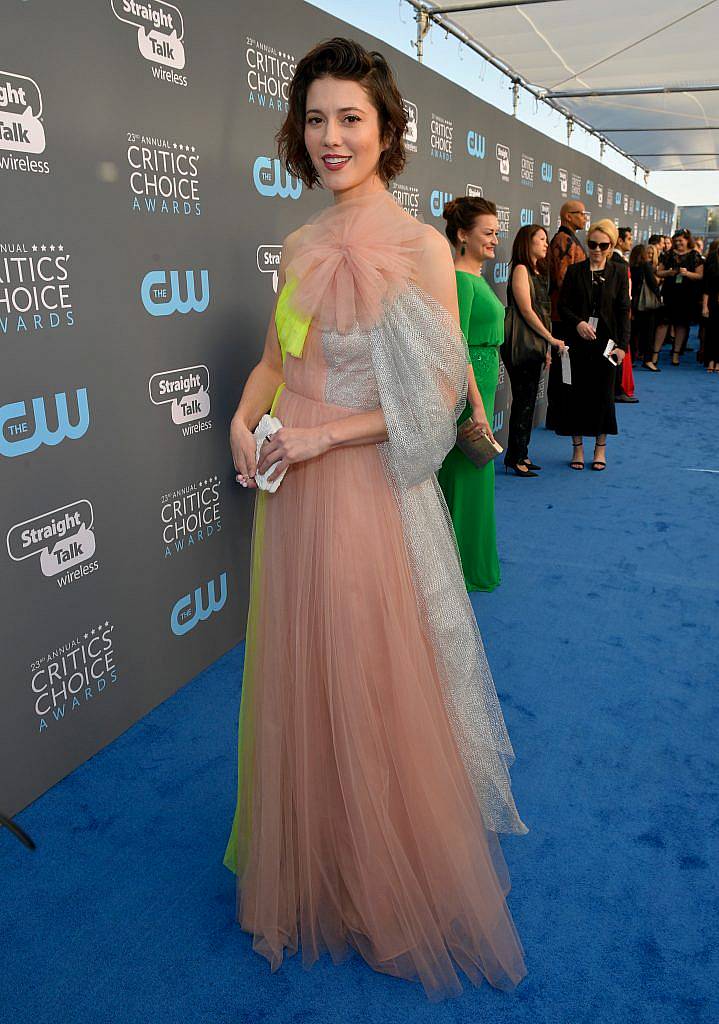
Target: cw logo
pixel 546 172
pixel 161 300
pixel 501 273
pixel 498 421
pixel 267 176
pixel 191 609
pixel 526 216
pixel 21 434
pixel 438 200
pixel 476 144
pixel 589 187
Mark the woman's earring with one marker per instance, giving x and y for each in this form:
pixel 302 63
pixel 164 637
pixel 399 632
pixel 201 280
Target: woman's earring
pixel 462 250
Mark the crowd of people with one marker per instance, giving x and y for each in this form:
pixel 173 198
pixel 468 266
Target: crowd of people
pixel 587 312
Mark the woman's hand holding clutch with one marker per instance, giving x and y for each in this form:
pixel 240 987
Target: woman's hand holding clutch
pixel 291 445
pixel 481 424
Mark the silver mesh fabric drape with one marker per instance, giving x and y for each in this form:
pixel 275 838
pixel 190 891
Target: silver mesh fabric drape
pixel 420 361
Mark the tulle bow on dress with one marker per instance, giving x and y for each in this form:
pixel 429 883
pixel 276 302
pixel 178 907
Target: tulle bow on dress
pixel 355 256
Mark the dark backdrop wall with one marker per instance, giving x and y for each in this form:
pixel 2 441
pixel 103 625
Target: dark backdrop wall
pixel 143 215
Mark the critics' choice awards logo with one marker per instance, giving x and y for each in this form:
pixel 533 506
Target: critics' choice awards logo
pixel 527 170
pixel 190 515
pixel 545 214
pixel 163 297
pixel 407 197
pixel 411 132
pixel 160 34
pixel 74 675
pixel 269 73
pixel 60 539
pixel 476 144
pixel 563 177
pixel 438 200
pixel 198 605
pixel 268 262
pixel 186 391
pixel 441 137
pixel 576 185
pixel 45 421
pixel 163 175
pixel 272 180
pixel 475 191
pixel 21 128
pixel 503 216
pixel 502 153
pixel 34 287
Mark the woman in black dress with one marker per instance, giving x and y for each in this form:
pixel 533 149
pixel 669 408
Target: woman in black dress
pixel 594 309
pixel 710 308
pixel 644 306
pixel 680 270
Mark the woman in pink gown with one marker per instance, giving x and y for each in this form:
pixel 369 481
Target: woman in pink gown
pixel 373 756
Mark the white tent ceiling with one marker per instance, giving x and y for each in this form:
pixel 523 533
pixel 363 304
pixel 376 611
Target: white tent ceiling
pixel 568 49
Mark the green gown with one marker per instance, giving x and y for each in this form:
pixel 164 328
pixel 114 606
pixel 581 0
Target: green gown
pixel 469 491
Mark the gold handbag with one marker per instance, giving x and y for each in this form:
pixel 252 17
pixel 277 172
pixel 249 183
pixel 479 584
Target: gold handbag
pixel 479 450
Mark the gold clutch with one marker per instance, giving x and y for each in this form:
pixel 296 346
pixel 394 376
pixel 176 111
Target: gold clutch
pixel 479 450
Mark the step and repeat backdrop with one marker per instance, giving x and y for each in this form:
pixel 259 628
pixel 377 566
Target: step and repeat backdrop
pixel 143 215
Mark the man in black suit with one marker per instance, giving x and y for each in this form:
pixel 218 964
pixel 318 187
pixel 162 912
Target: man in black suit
pixel 621 255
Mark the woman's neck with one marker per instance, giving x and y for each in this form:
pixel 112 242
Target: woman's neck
pixel 368 187
pixel 469 264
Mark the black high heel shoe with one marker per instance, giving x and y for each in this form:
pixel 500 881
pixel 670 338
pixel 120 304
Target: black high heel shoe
pixel 530 465
pixel 516 470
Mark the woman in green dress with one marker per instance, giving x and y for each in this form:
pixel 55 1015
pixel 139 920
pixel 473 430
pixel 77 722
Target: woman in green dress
pixel 472 229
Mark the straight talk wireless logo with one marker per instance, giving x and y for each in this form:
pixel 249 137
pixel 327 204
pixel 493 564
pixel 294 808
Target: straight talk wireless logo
pixel 22 133
pixel 62 541
pixel 160 34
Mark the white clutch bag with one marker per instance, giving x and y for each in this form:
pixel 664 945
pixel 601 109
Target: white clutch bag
pixel 267 425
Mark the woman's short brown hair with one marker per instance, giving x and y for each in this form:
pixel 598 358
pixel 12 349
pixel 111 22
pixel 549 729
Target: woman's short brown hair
pixel 461 213
pixel 346 59
pixel 521 249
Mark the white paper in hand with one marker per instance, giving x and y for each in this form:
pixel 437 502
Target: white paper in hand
pixel 566 367
pixel 267 425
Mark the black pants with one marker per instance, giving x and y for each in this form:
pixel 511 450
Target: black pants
pixel 524 379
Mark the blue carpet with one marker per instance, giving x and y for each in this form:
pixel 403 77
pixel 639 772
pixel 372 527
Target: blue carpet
pixel 602 638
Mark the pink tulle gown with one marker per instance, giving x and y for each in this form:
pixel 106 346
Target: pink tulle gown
pixel 372 752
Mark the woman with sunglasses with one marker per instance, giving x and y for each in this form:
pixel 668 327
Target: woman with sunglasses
pixel 680 271
pixel 594 308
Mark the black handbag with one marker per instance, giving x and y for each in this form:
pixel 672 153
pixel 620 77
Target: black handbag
pixel 522 344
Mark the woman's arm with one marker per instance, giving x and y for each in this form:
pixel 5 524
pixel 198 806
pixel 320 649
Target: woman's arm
pixel 523 298
pixel 694 275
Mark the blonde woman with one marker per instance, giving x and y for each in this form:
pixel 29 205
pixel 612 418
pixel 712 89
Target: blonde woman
pixel 594 309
